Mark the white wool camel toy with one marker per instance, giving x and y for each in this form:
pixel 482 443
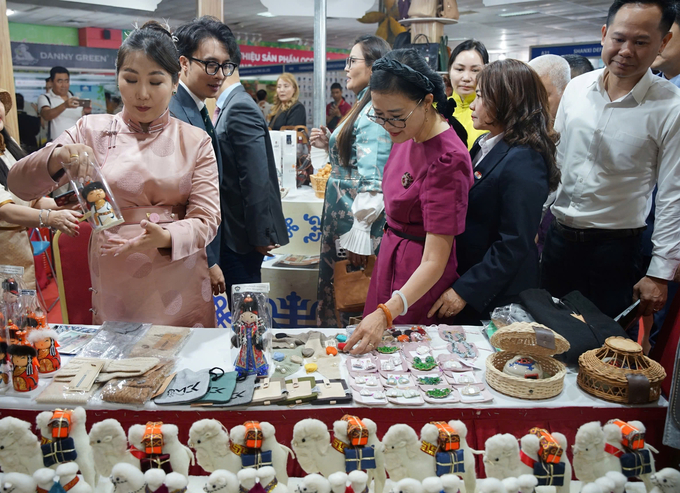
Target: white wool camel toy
pixel 614 437
pixel 619 480
pixel 338 481
pixel 269 443
pixel 592 488
pixel 126 478
pixel 430 433
pixel 181 456
pixel 314 483
pixel 247 478
pixel 176 482
pixel 70 480
pixel 210 439
pixel 666 480
pixel 312 445
pixel 44 478
pixel 606 484
pixel 358 480
pixel 81 441
pixel 403 457
pixel 432 484
pixel 222 481
pixel 530 445
pixel 407 485
pixel 154 479
pixel 16 482
pixel 110 446
pixel 590 459
pixel 452 483
pixel 501 457
pixel 490 485
pixel 267 476
pixel 19 447
pixel 527 483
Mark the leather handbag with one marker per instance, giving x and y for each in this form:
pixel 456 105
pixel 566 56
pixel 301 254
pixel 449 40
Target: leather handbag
pixel 449 9
pixel 351 288
pixel 429 51
pixel 423 8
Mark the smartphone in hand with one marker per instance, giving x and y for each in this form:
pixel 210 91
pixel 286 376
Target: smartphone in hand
pixel 65 198
pixel 84 103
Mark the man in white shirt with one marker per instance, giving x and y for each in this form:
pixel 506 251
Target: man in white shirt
pixel 668 61
pixel 58 106
pixel 620 136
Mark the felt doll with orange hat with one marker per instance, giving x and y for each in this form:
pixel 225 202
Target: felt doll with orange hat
pixel 45 342
pixel 24 367
pixel 249 331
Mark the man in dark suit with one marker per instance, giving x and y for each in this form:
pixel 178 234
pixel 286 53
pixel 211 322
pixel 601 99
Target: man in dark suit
pixel 252 215
pixel 205 64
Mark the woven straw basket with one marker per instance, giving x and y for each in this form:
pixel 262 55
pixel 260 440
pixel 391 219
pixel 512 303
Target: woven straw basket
pixel 319 185
pixel 520 338
pixel 603 371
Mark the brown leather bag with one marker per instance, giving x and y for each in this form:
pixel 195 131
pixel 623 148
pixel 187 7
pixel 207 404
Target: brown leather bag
pixel 351 288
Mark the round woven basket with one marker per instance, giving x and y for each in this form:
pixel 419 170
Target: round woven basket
pixel 520 338
pixel 318 185
pixel 602 372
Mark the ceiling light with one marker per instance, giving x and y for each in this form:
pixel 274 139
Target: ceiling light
pixel 290 40
pixel 146 5
pixel 502 56
pixel 521 12
pixel 10 12
pixel 266 14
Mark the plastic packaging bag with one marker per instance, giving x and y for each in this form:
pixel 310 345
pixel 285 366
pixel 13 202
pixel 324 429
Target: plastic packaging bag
pixel 509 314
pixel 137 390
pixel 115 340
pixel 251 323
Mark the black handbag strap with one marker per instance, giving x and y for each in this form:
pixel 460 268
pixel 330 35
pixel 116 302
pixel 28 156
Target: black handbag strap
pixel 413 41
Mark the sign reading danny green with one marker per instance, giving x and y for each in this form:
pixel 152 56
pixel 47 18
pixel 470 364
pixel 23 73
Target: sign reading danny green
pixel 71 57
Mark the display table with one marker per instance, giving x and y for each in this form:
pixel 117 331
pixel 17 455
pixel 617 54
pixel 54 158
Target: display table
pixel 211 347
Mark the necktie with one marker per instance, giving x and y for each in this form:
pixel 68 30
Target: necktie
pixel 216 114
pixel 209 128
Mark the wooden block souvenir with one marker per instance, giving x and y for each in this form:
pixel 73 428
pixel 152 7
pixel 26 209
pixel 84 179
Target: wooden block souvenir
pixel 631 437
pixel 550 450
pixel 59 451
pixel 636 463
pixel 359 459
pixel 254 435
pixel 356 430
pixel 156 461
pixel 256 459
pixel 60 423
pixel 549 474
pixel 448 439
pixel 450 462
pixel 153 438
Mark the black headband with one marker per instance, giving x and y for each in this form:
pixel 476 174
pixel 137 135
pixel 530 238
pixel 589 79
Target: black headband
pixel 397 68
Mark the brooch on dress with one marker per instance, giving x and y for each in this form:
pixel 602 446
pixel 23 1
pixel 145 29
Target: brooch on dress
pixel 406 180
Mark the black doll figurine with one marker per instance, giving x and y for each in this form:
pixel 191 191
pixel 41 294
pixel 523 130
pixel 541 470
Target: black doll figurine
pixel 249 336
pixel 95 195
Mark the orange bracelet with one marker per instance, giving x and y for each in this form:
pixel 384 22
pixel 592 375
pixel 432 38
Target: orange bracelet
pixel 388 315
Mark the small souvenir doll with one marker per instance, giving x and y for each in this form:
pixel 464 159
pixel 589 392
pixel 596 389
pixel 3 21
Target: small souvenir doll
pixel 24 367
pixel 45 342
pixel 4 368
pixel 10 290
pixel 95 195
pixel 249 331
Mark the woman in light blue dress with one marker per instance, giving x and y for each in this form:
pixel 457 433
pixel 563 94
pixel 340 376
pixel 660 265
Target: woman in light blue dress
pixel 353 219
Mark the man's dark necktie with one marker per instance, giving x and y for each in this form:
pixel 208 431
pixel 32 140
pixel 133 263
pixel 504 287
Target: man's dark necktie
pixel 209 128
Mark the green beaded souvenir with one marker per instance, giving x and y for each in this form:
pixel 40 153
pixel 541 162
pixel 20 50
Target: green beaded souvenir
pixel 429 380
pixel 438 393
pixel 387 349
pixel 426 365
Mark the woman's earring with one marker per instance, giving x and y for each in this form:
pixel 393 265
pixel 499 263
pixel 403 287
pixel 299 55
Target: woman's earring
pixel 174 92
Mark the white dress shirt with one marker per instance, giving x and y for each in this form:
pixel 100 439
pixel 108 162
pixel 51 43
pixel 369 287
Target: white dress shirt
pixel 66 119
pixel 486 143
pixel 199 102
pixel 613 153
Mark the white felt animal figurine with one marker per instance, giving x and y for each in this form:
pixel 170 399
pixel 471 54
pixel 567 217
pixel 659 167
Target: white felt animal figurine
pixel 606 484
pixel 666 480
pixel 530 445
pixel 619 480
pixel 154 479
pixel 210 439
pixel 247 478
pixel 452 484
pixel 433 484
pixel 314 483
pixel 110 446
pixel 70 480
pixel 338 481
pixel 126 478
pixel 181 456
pixel 279 452
pixel 44 477
pixel 490 485
pixel 78 432
pixel 176 482
pixel 403 457
pixel 469 476
pixel 19 447
pixel 312 445
pixel 267 477
pixel 501 458
pixel 614 437
pixel 407 485
pixel 223 481
pixel 16 482
pixel 590 459
pixel 527 483
pixel 592 488
pixel 358 480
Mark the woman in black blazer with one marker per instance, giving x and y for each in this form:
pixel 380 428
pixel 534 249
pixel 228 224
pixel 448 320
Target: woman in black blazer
pixel 514 169
pixel 287 110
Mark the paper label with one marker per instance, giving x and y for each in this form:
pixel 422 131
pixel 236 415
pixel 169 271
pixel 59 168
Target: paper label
pixel 164 386
pixel 86 376
pixel 12 269
pixel 168 341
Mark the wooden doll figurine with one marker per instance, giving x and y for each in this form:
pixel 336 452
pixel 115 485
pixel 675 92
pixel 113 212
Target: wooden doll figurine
pixel 45 342
pixel 249 336
pixel 4 375
pixel 101 209
pixel 25 368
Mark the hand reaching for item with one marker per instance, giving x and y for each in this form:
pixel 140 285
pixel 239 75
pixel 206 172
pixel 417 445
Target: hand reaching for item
pixel 74 157
pixel 152 236
pixel 65 221
pixel 368 334
pixel 448 305
pixel 217 280
pixel 652 293
pixel 319 138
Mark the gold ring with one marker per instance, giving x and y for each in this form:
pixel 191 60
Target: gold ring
pixel 74 155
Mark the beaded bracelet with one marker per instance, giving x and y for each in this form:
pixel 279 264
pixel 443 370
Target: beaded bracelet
pixel 41 223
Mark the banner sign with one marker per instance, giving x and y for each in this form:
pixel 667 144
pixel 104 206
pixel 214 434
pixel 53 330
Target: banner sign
pixel 265 55
pixel 75 57
pixel 296 68
pixel 589 50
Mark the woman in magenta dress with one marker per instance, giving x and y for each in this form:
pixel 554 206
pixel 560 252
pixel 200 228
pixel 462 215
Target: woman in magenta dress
pixel 425 184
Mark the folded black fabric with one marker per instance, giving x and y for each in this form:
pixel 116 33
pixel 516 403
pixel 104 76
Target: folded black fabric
pixel 561 317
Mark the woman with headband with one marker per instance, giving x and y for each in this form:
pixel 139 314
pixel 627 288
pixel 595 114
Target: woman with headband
pixel 425 184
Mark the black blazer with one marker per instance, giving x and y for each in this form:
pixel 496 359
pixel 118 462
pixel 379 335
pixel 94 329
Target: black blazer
pixel 252 214
pixel 497 254
pixel 295 115
pixel 183 107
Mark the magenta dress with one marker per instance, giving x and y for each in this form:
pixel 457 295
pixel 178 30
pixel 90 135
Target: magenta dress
pixel 426 187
